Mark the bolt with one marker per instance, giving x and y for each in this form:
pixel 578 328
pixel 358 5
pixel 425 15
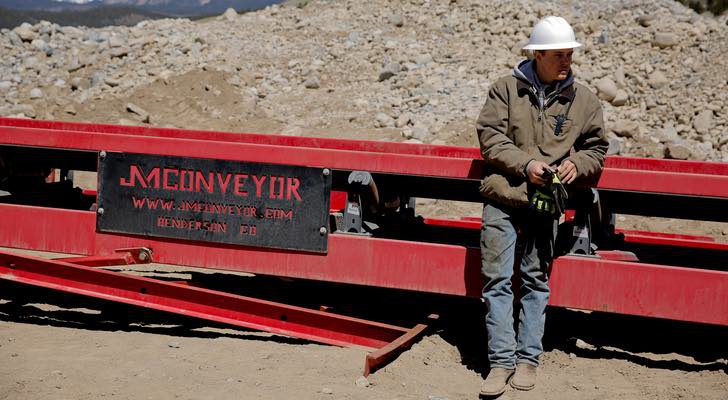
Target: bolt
pixel 327 172
pixel 323 230
pixel 143 256
pixel 100 211
pixel 102 154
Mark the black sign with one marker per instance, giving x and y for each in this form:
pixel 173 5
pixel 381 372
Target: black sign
pixel 251 204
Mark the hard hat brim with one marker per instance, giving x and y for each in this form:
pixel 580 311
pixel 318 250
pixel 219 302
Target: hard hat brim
pixel 552 46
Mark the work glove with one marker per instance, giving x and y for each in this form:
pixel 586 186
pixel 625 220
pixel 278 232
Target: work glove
pixel 549 199
pixel 543 201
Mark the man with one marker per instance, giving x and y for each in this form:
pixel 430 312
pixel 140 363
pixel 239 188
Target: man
pixel 538 129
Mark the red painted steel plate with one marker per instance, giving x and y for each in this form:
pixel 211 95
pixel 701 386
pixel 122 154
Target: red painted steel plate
pixel 676 293
pixel 578 282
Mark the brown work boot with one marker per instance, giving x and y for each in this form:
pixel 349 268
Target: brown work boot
pixel 525 377
pixel 496 382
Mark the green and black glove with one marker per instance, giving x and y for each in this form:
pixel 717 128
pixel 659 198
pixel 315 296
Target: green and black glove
pixel 549 199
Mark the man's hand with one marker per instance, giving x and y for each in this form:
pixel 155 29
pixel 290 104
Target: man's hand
pixel 567 171
pixel 535 172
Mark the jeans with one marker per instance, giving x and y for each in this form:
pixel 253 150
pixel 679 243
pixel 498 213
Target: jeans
pixel 505 234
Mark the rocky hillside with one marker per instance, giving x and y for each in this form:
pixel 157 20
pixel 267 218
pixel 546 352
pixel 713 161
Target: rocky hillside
pixel 413 70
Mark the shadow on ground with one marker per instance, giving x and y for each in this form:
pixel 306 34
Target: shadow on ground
pixel 653 343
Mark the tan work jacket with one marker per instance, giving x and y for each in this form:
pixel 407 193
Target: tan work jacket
pixel 514 129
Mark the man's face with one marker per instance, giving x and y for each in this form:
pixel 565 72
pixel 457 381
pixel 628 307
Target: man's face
pixel 553 65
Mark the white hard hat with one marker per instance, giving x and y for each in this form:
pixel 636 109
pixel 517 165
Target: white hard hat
pixel 552 33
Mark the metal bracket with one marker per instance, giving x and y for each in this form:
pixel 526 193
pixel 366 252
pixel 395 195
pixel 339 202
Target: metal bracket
pixel 128 256
pixel 580 242
pixel 362 197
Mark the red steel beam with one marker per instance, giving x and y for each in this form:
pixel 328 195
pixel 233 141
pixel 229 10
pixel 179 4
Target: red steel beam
pixel 690 178
pixel 688 184
pixel 250 152
pixel 664 239
pixel 617 162
pixel 426 267
pixel 222 307
pixel 675 293
pixel 662 165
pixel 579 282
pixel 255 138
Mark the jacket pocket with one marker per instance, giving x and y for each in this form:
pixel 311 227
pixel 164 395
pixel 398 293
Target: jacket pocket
pixel 558 137
pixel 511 192
pixel 558 126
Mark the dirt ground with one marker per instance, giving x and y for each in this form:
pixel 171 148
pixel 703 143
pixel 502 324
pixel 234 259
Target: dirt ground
pixel 59 347
pixel 54 346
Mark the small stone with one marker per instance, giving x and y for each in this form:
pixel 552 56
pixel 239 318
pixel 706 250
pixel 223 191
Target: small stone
pixel 677 151
pixel 703 122
pixel 75 65
pixel 620 98
pixel 607 89
pixel 664 40
pixel 603 37
pixel 5 86
pixel 119 52
pixel 116 41
pixel 69 109
pixel 36 93
pixel 327 391
pixel 111 82
pixel 580 344
pixel 230 14
pixel 71 31
pixel 403 120
pixel 133 108
pixel 388 71
pixel 668 134
pixel 396 20
pixel 312 83
pixel 420 131
pixel 657 79
pixel 615 146
pixel 384 121
pixel 39 44
pixel 174 345
pixel 645 20
pixel 25 32
pixel 423 59
pixel 626 128
pixel 362 382
pixel 79 83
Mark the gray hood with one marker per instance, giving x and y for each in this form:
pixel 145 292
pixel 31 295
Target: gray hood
pixel 526 72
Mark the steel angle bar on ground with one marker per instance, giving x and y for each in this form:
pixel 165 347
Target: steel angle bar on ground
pixel 222 307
